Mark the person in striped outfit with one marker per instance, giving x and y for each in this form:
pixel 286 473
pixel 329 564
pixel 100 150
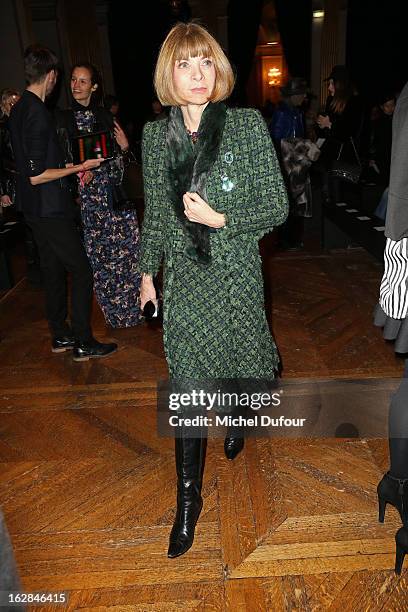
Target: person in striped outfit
pixel 392 315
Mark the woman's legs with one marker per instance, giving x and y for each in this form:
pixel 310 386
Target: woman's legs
pixel 399 457
pixel 190 460
pixel 398 425
pixel 398 430
pixel 393 487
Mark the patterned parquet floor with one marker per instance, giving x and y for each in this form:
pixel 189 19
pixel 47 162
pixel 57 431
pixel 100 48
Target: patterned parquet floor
pixel 88 488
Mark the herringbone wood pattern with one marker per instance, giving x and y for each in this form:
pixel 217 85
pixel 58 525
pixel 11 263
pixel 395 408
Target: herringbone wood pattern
pixel 88 488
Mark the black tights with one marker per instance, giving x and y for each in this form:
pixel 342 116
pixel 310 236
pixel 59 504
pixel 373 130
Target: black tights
pixel 398 426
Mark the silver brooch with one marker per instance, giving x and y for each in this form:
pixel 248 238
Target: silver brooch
pixel 228 157
pixel 227 184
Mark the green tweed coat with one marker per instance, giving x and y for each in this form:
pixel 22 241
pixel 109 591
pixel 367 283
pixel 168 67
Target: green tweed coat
pixel 214 318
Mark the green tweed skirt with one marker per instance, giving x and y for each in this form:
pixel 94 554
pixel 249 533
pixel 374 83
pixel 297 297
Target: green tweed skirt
pixel 214 316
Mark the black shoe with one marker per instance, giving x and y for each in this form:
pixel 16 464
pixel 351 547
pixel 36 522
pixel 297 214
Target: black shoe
pixel 60 344
pixel 232 447
pixel 401 541
pixel 92 349
pixel 190 454
pixel 393 491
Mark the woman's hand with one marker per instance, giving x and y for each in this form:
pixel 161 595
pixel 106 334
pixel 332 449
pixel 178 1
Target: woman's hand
pixel 323 122
pixel 147 291
pixel 120 136
pixel 5 201
pixel 88 164
pixel 84 175
pixel 198 211
pixel 87 177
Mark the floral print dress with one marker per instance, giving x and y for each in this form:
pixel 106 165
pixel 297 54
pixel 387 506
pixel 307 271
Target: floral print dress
pixel 112 239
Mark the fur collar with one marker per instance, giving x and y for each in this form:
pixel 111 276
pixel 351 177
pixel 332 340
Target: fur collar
pixel 189 167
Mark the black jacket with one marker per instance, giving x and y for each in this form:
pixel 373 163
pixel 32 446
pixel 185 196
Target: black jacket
pixel 345 125
pixel 380 146
pixel 36 149
pixel 7 164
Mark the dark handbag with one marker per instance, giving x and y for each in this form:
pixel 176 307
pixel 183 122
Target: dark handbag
pixel 346 170
pixel 120 199
pixel 120 193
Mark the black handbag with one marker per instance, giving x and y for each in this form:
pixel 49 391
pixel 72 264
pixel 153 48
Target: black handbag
pixel 346 170
pixel 120 193
pixel 120 199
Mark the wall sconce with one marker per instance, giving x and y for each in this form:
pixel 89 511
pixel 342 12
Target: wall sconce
pixel 318 14
pixel 274 76
pixel 272 43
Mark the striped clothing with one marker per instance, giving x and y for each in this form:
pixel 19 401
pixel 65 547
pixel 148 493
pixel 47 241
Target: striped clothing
pixel 393 289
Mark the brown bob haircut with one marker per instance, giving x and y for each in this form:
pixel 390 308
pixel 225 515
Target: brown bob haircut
pixel 191 40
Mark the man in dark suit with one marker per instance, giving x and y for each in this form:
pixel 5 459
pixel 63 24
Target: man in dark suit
pixel 43 195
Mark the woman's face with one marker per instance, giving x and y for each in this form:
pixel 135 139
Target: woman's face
pixel 81 85
pixel 194 79
pixel 331 87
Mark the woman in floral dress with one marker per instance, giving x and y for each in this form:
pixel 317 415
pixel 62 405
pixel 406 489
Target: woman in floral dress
pixel 111 236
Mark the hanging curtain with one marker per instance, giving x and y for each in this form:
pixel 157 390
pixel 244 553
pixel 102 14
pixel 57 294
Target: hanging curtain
pixel 381 28
pixel 294 19
pixel 243 25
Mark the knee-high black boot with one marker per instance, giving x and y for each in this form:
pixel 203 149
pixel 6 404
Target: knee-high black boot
pixel 393 488
pixel 234 440
pixel 190 459
pixel 233 444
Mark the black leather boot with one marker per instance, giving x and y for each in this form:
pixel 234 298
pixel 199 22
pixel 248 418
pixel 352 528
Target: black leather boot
pixel 401 541
pixel 393 491
pixel 234 440
pixel 233 446
pixel 190 458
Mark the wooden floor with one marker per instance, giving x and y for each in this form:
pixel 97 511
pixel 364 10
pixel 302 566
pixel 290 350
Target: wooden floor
pixel 88 488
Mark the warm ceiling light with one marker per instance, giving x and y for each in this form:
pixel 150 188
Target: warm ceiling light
pixel 274 75
pixel 272 43
pixel 318 14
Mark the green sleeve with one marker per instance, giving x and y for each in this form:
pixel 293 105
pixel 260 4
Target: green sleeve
pixel 269 205
pixel 152 230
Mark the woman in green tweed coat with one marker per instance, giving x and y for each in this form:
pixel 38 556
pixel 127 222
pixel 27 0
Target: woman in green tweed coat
pixel 213 188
